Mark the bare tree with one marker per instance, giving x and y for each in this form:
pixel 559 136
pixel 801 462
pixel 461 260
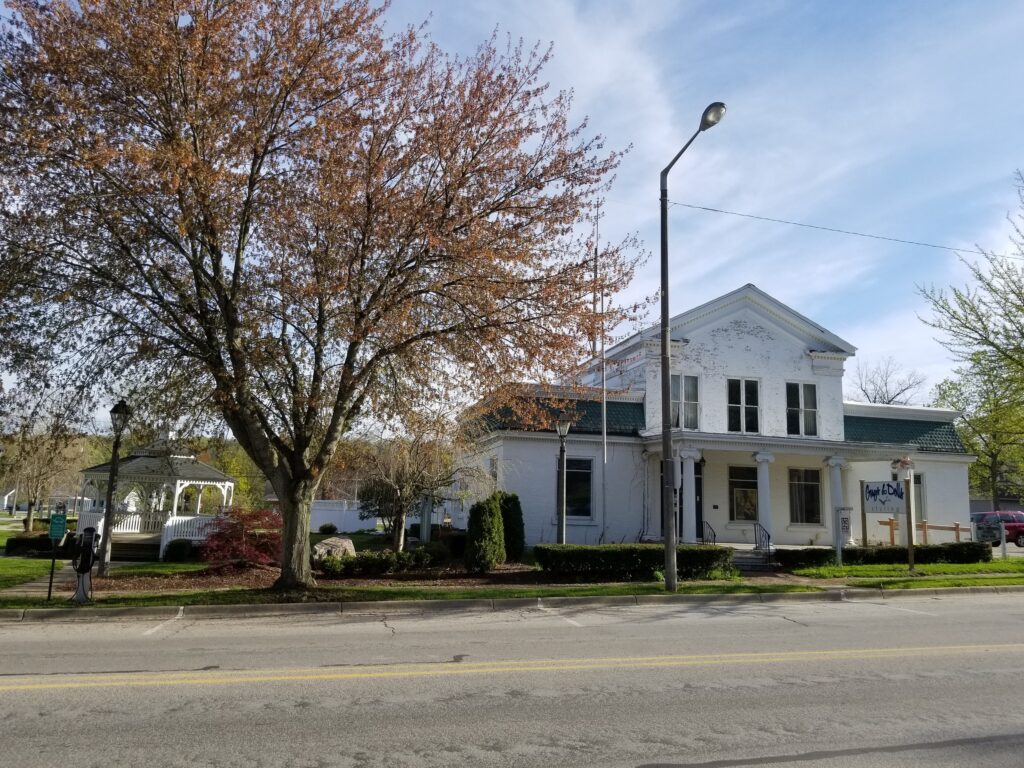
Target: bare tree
pixel 887 383
pixel 272 210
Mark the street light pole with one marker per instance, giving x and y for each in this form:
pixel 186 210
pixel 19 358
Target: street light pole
pixel 562 427
pixel 119 416
pixel 712 115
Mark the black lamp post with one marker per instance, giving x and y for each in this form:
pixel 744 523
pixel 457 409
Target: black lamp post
pixel 712 115
pixel 119 416
pixel 562 427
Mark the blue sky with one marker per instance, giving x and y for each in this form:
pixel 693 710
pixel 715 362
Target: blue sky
pixel 895 118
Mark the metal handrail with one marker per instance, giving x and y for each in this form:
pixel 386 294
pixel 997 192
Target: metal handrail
pixel 708 535
pixel 763 541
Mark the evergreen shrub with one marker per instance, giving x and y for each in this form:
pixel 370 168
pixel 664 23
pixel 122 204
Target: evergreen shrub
pixel 630 562
pixel 485 538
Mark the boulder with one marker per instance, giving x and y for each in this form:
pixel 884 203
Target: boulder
pixel 336 546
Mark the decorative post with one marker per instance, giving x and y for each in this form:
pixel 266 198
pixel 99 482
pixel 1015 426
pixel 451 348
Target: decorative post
pixel 119 416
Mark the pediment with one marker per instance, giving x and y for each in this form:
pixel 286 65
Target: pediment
pixel 752 312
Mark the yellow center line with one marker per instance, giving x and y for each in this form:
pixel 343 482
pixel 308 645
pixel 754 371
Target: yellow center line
pixel 451 669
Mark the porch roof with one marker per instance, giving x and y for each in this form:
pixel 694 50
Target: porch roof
pixel 624 418
pixel 927 436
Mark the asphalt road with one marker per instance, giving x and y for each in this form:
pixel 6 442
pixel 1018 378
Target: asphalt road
pixel 905 682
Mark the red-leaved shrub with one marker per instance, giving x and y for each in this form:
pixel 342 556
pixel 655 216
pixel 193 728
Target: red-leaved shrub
pixel 247 535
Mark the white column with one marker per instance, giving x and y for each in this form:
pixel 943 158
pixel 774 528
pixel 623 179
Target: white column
pixel 177 498
pixel 689 496
pixel 836 465
pixel 199 498
pixel 764 490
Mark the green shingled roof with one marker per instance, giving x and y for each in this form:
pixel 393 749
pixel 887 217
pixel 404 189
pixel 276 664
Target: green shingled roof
pixel 938 436
pixel 623 418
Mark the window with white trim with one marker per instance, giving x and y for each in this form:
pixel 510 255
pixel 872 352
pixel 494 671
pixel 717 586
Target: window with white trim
pixel 743 493
pixel 805 496
pixel 685 398
pixel 743 405
pixel 578 488
pixel 801 409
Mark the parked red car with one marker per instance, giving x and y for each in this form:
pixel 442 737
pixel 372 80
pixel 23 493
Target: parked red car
pixel 988 527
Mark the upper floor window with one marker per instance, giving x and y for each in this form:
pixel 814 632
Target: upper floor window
pixel 743 404
pixel 801 409
pixel 685 398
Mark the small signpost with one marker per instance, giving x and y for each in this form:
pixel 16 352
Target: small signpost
pixel 58 529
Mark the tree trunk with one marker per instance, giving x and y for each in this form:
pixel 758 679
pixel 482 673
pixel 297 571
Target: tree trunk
pixel 296 572
pixel 993 474
pixel 398 534
pixel 29 515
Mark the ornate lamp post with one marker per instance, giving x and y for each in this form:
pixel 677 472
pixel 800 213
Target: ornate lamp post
pixel 562 427
pixel 711 117
pixel 119 416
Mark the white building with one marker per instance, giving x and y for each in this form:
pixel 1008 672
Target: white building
pixel 762 437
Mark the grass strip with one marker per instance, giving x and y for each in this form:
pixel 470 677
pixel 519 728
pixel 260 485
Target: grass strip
pixel 938 582
pixel 362 594
pixel 18 570
pixel 897 571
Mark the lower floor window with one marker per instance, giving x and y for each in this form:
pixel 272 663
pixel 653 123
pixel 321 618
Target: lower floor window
pixel 805 496
pixel 578 487
pixel 742 493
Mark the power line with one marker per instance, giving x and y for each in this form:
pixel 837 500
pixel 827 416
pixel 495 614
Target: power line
pixel 957 251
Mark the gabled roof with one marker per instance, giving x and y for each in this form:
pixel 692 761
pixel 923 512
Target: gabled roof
pixel 823 340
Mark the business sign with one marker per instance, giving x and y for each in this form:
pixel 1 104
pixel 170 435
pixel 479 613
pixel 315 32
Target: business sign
pixel 58 526
pixel 885 498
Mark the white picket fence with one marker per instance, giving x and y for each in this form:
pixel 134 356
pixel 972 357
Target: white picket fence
pixel 344 515
pixel 195 529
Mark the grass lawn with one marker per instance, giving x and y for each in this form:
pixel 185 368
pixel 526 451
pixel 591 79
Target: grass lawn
pixel 895 571
pixel 18 570
pixel 361 540
pixel 362 594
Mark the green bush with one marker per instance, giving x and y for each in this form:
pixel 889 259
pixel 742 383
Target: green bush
pixel 924 554
pixel 379 563
pixel 179 551
pixel 625 562
pixel 485 539
pixel 436 551
pixel 328 529
pixel 814 557
pixel 512 523
pixel 455 540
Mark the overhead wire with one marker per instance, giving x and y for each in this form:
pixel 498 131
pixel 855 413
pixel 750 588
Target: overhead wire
pixel 837 230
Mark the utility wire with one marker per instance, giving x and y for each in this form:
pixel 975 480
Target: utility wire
pixel 843 231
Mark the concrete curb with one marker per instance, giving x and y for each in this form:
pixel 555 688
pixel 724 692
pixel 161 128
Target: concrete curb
pixel 476 605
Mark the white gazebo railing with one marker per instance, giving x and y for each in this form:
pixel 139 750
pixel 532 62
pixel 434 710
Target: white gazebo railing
pixel 194 529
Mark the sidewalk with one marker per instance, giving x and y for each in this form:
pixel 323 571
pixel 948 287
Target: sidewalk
pixel 64 582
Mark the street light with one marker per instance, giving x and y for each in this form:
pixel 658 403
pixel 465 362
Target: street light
pixel 711 117
pixel 119 416
pixel 562 428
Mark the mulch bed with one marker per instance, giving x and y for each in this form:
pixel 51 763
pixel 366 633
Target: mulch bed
pixel 232 575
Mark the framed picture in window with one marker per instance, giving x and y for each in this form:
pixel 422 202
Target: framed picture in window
pixel 744 502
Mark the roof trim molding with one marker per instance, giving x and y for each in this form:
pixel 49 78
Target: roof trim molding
pixel 909 412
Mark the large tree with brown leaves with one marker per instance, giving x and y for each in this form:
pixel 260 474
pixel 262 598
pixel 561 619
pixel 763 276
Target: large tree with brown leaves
pixel 275 211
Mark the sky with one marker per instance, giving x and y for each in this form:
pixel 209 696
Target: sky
pixel 898 118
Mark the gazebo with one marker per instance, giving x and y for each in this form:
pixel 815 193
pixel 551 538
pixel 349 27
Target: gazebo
pixel 152 486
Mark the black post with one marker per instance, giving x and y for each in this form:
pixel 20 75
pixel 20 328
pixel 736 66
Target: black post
pixel 108 513
pixel 561 490
pixel 53 562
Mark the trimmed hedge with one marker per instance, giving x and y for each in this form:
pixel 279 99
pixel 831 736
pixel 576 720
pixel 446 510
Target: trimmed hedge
pixel 378 563
pixel 38 546
pixel 485 539
pixel 512 523
pixel 626 562
pixel 924 554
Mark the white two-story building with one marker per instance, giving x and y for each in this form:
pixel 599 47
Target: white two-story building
pixel 763 439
